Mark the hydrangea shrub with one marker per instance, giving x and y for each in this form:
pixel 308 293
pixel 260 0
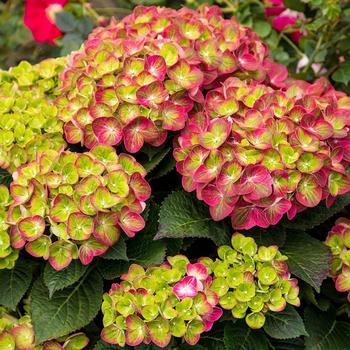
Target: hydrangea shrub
pixel 137 79
pixel 254 153
pixel 70 205
pixel 338 239
pixel 8 255
pixel 28 118
pixel 180 299
pixel 18 334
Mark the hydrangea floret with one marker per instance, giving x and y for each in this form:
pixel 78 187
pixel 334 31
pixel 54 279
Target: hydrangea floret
pixel 70 205
pixel 138 78
pixel 181 299
pixel 154 305
pixel 338 239
pixel 251 281
pixel 8 255
pixel 18 334
pixel 254 153
pixel 28 118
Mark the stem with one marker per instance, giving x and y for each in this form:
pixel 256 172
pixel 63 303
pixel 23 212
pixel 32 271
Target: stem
pixel 312 57
pixel 90 11
pixel 290 42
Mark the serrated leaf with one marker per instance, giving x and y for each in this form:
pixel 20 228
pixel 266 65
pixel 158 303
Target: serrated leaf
pixel 71 42
pixel 85 26
pixel 65 21
pixel 164 167
pixel 238 336
pixel 316 216
pixel 286 324
pixel 116 252
pixel 308 293
pixel 152 163
pixel 308 258
pixel 14 283
pixel 111 269
pixel 67 310
pixel 143 249
pixel 58 280
pixel 181 215
pixel 5 177
pixel 325 333
pixel 262 28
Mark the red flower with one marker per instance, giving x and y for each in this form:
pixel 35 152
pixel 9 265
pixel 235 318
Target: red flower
pixel 39 17
pixel 288 19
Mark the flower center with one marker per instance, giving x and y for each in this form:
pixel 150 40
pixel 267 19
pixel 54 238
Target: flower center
pixel 51 11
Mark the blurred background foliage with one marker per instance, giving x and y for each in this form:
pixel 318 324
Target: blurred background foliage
pixel 311 37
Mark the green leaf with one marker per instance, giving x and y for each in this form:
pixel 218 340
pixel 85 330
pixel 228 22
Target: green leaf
pixel 116 252
pixel 71 42
pixel 111 269
pixel 58 280
pixel 101 345
pixel 308 258
pixel 5 177
pixel 308 293
pixel 164 167
pixel 286 324
pixel 288 344
pixel 318 215
pixel 295 5
pixel 85 26
pixel 342 74
pixel 14 283
pixel 155 159
pixel 262 28
pixel 274 235
pixel 68 310
pixel 238 336
pixel 181 215
pixel 143 249
pixel 65 21
pixel 325 333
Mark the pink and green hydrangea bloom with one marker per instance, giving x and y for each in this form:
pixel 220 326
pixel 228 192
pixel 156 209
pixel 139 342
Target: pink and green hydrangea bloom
pixel 137 79
pixel 70 205
pixel 255 154
pixel 338 240
pixel 8 254
pixel 28 118
pixel 180 299
pixel 18 334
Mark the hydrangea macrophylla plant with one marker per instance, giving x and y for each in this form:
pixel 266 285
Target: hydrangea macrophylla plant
pixel 251 280
pixel 75 205
pixel 255 153
pixel 28 119
pixel 338 239
pixel 154 305
pixel 18 334
pixel 138 78
pixel 8 255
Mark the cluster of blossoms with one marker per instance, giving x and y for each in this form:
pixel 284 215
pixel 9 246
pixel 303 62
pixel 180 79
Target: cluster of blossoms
pixel 18 334
pixel 28 118
pixel 8 255
pixel 251 280
pixel 74 205
pixel 138 78
pixel 255 153
pixel 338 240
pixel 181 299
pixel 173 299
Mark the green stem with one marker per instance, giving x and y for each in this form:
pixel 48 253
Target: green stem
pixel 290 42
pixel 90 11
pixel 312 57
